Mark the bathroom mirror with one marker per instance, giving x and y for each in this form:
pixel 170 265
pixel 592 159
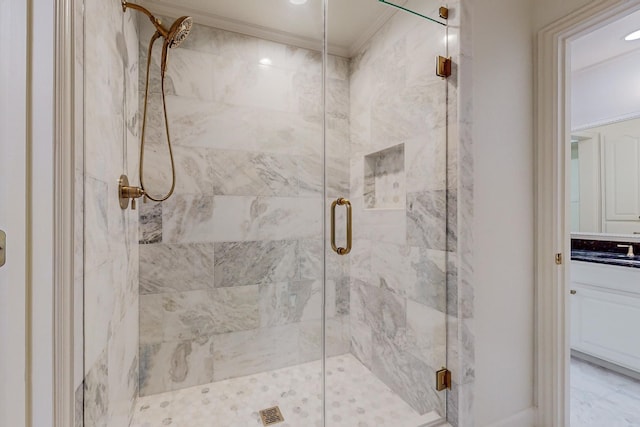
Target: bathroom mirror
pixel 605 179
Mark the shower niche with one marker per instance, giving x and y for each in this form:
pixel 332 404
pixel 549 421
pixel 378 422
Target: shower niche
pixel 385 182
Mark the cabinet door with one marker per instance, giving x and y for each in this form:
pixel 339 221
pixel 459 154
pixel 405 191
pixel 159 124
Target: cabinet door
pixel 604 325
pixel 622 180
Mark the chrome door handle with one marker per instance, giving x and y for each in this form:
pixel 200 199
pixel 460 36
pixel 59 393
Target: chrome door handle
pixel 342 202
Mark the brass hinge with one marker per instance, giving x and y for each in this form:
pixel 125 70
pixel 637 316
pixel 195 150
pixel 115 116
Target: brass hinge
pixel 443 379
pixel 444 12
pixel 559 259
pixel 443 66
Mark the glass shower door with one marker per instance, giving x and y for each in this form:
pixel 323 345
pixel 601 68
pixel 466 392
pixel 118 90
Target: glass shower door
pixel 226 305
pixel 386 138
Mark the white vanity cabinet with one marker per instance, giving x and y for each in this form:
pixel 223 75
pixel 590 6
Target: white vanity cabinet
pixel 621 159
pixel 606 178
pixel 605 312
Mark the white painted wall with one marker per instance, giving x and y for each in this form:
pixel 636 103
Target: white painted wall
pixel 545 12
pixel 503 223
pixel 606 91
pixel 42 205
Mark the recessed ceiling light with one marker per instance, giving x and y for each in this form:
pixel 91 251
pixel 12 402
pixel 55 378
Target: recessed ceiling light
pixel 633 36
pixel 265 61
pixel 297 1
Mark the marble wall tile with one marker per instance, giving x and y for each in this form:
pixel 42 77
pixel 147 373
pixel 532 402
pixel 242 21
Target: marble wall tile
pixel 123 368
pixel 258 262
pixel 311 260
pixel 150 230
pixel 176 267
pixel 109 134
pixel 337 137
pixel 427 334
pixel 100 301
pixel 210 124
pixel 426 220
pixel 342 296
pixel 196 314
pixel 290 302
pixel 406 375
pixel 426 161
pixel 240 218
pixel 187 219
pixel 243 353
pixel 96 394
pixel 337 338
pixel 174 365
pixel 310 175
pixel 360 261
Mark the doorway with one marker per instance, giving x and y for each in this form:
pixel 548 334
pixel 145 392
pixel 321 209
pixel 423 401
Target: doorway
pixel 604 270
pixel 560 289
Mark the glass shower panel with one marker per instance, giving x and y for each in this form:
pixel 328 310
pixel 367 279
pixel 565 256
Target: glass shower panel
pixel 386 140
pixel 205 309
pixel 237 275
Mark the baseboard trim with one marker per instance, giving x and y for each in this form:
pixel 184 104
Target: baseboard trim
pixel 526 418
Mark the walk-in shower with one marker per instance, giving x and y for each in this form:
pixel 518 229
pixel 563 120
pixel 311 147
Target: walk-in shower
pixel 297 275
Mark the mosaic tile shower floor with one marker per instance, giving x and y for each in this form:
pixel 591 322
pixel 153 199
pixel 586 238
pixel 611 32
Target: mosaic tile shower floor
pixel 356 398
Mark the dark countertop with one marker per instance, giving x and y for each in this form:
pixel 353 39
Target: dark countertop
pixel 604 257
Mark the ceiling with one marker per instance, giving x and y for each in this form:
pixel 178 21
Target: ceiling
pixel 605 43
pixel 351 23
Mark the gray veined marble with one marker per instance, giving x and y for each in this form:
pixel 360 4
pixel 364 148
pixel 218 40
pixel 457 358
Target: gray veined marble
pixel 198 314
pixel 187 219
pixel 150 230
pixel 406 375
pixel 253 263
pixel 243 353
pixel 173 365
pixel 175 268
pixel 243 218
pixel 96 394
pixel 426 219
pixel 290 302
pixel 337 338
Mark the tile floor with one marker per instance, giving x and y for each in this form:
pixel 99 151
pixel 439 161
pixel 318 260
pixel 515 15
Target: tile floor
pixel 603 398
pixel 356 398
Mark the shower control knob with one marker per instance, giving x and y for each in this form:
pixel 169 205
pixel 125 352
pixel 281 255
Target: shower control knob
pixel 126 192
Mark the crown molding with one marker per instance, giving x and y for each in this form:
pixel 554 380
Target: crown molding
pixel 237 26
pixel 212 20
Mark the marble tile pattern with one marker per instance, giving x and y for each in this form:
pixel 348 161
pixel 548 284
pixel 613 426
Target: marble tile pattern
pixel 460 335
pixel 231 265
pixel 602 397
pixel 110 234
pixel 251 184
pixel 355 397
pixel 398 291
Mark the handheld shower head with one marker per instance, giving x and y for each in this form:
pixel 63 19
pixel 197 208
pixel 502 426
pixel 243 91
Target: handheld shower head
pixel 179 31
pixel 175 35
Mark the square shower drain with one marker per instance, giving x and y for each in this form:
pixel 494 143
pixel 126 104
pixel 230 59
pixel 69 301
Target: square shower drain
pixel 271 416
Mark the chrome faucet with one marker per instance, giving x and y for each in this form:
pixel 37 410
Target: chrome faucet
pixel 630 253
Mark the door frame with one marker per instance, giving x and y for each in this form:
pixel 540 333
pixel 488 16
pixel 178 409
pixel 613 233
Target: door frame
pixel 552 115
pixel 63 238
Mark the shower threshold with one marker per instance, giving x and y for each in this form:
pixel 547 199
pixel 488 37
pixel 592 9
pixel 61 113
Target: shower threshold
pixel 355 398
